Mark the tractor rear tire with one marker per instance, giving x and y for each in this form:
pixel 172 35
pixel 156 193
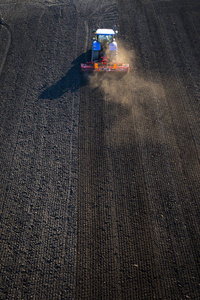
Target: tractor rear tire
pixel 95 55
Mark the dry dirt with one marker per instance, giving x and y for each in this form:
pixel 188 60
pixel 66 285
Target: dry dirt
pixel 100 178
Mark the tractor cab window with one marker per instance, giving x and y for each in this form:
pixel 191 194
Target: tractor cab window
pixel 104 39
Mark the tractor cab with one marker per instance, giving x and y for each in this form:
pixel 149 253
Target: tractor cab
pixel 105 36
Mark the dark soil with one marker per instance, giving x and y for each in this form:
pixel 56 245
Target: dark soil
pixel 100 178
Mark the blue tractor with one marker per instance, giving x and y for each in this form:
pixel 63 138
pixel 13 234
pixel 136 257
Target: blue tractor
pixel 104 53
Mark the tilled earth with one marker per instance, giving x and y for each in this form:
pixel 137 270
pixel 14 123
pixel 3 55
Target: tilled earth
pixel 100 176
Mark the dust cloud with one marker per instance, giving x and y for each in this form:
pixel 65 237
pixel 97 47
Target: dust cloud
pixel 126 89
pixel 137 99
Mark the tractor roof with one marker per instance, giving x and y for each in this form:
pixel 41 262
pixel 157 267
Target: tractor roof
pixel 105 31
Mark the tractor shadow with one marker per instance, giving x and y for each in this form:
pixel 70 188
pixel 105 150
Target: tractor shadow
pixel 71 82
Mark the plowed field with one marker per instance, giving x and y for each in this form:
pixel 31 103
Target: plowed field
pixel 100 178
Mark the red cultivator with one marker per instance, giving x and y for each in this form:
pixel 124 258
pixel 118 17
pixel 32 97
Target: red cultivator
pixel 104 66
